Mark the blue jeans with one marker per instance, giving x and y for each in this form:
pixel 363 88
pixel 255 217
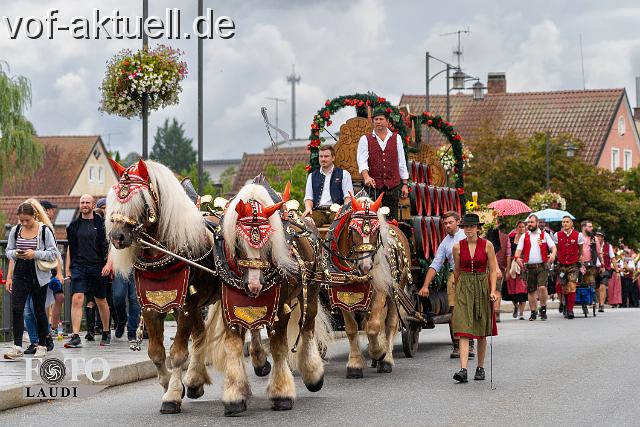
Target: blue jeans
pixel 30 321
pixel 124 289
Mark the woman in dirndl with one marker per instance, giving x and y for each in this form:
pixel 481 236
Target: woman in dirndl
pixel 475 276
pixel 514 288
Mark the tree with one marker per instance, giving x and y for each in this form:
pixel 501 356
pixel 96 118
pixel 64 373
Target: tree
pixel 298 176
pixel 226 179
pixel 130 159
pixel 17 146
pixel 172 148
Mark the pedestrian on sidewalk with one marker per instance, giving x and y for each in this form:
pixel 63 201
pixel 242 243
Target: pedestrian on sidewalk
pixel 516 288
pixel 57 273
pixel 28 243
pixel 538 251
pixel 605 268
pixel 87 267
pixel 475 275
pixel 444 253
pixel 569 243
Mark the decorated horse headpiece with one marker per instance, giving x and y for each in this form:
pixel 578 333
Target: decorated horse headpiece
pixel 253 221
pixel 364 217
pixel 134 179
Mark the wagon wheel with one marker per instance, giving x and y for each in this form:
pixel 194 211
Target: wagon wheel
pixel 411 334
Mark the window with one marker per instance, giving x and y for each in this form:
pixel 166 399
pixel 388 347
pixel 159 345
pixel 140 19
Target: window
pixel 96 153
pixel 615 158
pixel 621 127
pixel 627 160
pixel 100 174
pixel 65 216
pixel 92 174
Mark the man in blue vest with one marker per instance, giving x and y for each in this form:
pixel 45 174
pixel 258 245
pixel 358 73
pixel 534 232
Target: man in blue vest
pixel 325 186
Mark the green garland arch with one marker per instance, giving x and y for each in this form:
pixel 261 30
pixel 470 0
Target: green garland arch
pixel 397 122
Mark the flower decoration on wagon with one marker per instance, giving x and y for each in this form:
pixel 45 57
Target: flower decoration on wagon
pixel 156 72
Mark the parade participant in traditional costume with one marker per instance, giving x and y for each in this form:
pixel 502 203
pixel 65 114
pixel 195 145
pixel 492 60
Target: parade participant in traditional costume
pixel 326 185
pixel 515 288
pixel 604 269
pixel 475 276
pixel 614 290
pixel 590 254
pixel 382 164
pixel 444 253
pixel 627 267
pixel 503 256
pixel 538 251
pixel 569 243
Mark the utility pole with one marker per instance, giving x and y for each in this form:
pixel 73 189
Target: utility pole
pixel 200 107
pixel 145 97
pixel 293 78
pixel 277 101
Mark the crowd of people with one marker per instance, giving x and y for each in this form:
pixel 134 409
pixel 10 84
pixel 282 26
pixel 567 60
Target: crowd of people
pixel 36 281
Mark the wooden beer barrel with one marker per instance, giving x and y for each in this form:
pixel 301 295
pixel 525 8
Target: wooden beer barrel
pixel 416 195
pixel 421 236
pixel 435 203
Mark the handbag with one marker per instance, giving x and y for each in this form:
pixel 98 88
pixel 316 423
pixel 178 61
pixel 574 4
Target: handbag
pixel 44 265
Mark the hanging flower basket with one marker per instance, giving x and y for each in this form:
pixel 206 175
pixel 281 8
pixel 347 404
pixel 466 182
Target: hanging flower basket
pixel 547 199
pixel 157 72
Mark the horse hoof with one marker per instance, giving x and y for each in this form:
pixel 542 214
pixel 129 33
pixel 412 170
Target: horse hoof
pixel 234 408
pixel 170 408
pixel 317 386
pixel 263 371
pixel 282 404
pixel 354 373
pixel 384 367
pixel 374 363
pixel 195 392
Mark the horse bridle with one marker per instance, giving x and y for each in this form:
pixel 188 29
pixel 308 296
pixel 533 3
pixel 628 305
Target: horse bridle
pixel 124 190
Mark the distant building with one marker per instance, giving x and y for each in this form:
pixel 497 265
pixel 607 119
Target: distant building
pixel 215 167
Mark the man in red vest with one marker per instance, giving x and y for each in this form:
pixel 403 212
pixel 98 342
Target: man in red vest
pixel 382 164
pixel 605 268
pixel 538 252
pixel 569 243
pixel 590 254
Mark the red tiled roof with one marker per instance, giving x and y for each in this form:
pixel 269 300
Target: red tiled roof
pixel 586 114
pixel 252 165
pixel 9 205
pixel 64 158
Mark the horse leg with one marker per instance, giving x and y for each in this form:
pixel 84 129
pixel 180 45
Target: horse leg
pixel 236 383
pixel 309 359
pixel 154 322
pixel 355 362
pixel 261 365
pixel 197 375
pixel 391 328
pixel 179 354
pixel 377 350
pixel 281 389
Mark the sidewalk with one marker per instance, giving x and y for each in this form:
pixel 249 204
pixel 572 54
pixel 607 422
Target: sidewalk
pixel 126 366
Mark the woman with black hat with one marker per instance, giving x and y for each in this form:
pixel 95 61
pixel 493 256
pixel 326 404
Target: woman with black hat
pixel 475 276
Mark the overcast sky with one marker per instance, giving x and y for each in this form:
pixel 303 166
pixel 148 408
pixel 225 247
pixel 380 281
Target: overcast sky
pixel 338 47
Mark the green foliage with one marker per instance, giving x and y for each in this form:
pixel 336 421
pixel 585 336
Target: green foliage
pixel 208 186
pixel 130 159
pixel 515 168
pixel 226 179
pixel 17 145
pixel 298 176
pixel 172 148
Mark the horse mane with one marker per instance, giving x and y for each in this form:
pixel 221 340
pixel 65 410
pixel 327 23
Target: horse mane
pixel 276 246
pixel 180 224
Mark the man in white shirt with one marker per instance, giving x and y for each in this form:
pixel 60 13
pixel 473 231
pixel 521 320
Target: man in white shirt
pixel 327 185
pixel 382 163
pixel 538 252
pixel 604 268
pixel 445 253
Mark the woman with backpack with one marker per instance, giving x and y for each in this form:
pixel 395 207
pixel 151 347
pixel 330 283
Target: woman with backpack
pixel 32 247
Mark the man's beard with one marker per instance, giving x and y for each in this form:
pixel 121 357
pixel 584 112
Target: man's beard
pixel 532 228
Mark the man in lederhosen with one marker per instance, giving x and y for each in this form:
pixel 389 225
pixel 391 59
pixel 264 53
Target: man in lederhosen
pixel 590 254
pixel 569 243
pixel 326 185
pixel 604 268
pixel 382 164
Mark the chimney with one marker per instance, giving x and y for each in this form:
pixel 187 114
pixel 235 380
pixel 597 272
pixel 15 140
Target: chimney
pixel 636 111
pixel 496 83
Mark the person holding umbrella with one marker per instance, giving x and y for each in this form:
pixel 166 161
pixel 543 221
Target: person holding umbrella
pixel 474 275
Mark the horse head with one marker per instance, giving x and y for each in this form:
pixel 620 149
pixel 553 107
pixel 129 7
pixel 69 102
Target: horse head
pixel 364 230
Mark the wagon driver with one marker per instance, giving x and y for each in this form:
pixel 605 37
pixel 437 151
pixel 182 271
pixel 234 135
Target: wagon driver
pixel 382 164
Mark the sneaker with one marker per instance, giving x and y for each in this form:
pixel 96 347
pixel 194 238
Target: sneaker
pixel 119 331
pixel 132 340
pixel 479 374
pixel 515 312
pixel 521 316
pixel 41 351
pixel 461 376
pixel 601 309
pixel 533 316
pixel 543 314
pixel 49 343
pixel 106 339
pixel 14 353
pixel 89 337
pixel 74 342
pixel 570 315
pixel 31 349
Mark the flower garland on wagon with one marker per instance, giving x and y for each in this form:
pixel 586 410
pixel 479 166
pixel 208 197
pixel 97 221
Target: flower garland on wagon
pixel 547 199
pixel 397 124
pixel 156 72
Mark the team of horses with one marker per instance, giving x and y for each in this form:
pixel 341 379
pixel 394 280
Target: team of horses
pixel 253 265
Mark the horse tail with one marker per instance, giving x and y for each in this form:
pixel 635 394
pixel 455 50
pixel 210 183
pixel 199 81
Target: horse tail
pixel 214 341
pixel 323 328
pixel 322 334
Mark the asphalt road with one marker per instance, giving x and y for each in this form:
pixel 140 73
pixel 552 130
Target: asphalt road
pixel 578 372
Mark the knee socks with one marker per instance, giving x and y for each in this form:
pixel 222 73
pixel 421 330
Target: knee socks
pixel 571 300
